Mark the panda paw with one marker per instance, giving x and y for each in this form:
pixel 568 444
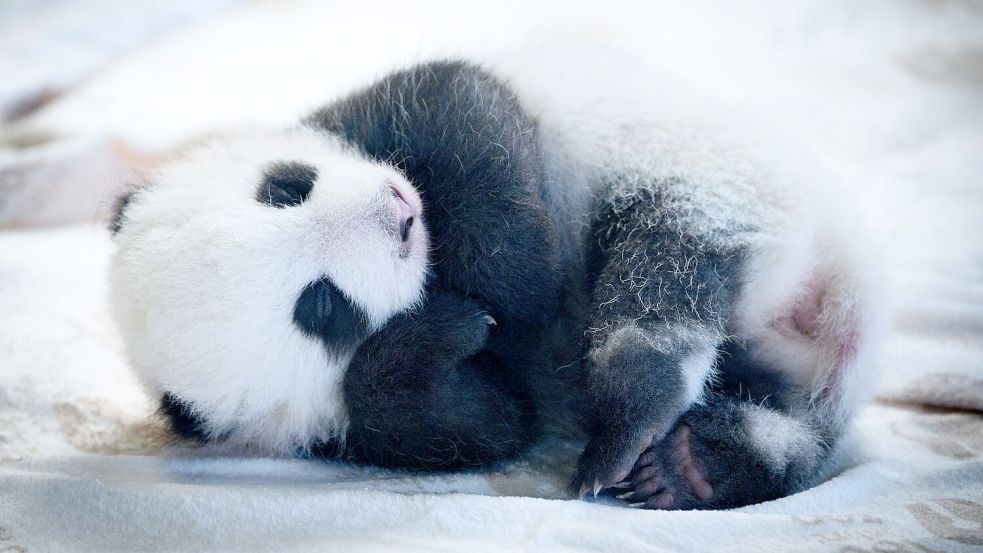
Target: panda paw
pixel 706 462
pixel 446 327
pixel 460 326
pixel 607 460
pixel 669 476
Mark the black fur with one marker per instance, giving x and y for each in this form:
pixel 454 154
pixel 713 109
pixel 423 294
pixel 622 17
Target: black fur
pixel 654 285
pixel 119 211
pixel 738 473
pixel 722 447
pixel 723 452
pixel 286 183
pixel 461 137
pixel 324 312
pixel 422 395
pixel 425 391
pixel 182 418
pixel 743 380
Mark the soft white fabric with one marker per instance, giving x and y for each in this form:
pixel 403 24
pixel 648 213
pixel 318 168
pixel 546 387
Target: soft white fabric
pixel 888 94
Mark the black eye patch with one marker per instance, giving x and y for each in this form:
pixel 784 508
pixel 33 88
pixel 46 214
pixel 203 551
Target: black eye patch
pixel 324 312
pixel 286 183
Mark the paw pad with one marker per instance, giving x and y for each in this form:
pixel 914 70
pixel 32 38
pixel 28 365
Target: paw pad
pixel 683 456
pixel 663 483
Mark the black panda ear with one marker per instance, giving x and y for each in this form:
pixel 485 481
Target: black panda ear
pixel 286 183
pixel 119 210
pixel 182 419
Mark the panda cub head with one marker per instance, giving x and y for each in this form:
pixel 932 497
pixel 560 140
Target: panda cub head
pixel 248 272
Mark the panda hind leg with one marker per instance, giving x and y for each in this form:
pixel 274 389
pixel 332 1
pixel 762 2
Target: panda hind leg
pixel 767 429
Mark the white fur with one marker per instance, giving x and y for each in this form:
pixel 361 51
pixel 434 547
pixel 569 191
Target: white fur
pixel 779 439
pixel 832 360
pixel 206 278
pixel 698 370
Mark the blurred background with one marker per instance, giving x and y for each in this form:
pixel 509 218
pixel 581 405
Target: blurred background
pixel 94 90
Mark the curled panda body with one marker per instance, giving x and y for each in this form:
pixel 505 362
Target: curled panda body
pixel 722 327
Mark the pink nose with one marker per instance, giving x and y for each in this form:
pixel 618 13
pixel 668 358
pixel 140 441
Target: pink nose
pixel 404 216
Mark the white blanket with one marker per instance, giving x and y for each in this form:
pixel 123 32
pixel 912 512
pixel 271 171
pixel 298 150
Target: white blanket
pixel 890 95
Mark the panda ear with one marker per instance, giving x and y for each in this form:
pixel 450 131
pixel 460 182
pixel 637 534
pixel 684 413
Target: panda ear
pixel 119 210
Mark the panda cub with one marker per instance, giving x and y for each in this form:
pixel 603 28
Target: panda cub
pixel 419 273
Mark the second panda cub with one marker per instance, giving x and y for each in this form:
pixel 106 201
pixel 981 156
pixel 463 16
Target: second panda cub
pixel 409 276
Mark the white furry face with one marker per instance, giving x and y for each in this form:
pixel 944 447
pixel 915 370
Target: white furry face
pixel 212 262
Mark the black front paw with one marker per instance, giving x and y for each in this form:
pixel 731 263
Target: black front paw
pixel 423 393
pixel 445 330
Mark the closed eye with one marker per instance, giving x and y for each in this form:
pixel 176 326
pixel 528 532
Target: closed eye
pixel 286 183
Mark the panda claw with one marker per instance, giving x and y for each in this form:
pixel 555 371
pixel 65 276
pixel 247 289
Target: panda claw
pixel 584 488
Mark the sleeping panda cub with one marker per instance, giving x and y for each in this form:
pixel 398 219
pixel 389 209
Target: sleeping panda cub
pixel 418 273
